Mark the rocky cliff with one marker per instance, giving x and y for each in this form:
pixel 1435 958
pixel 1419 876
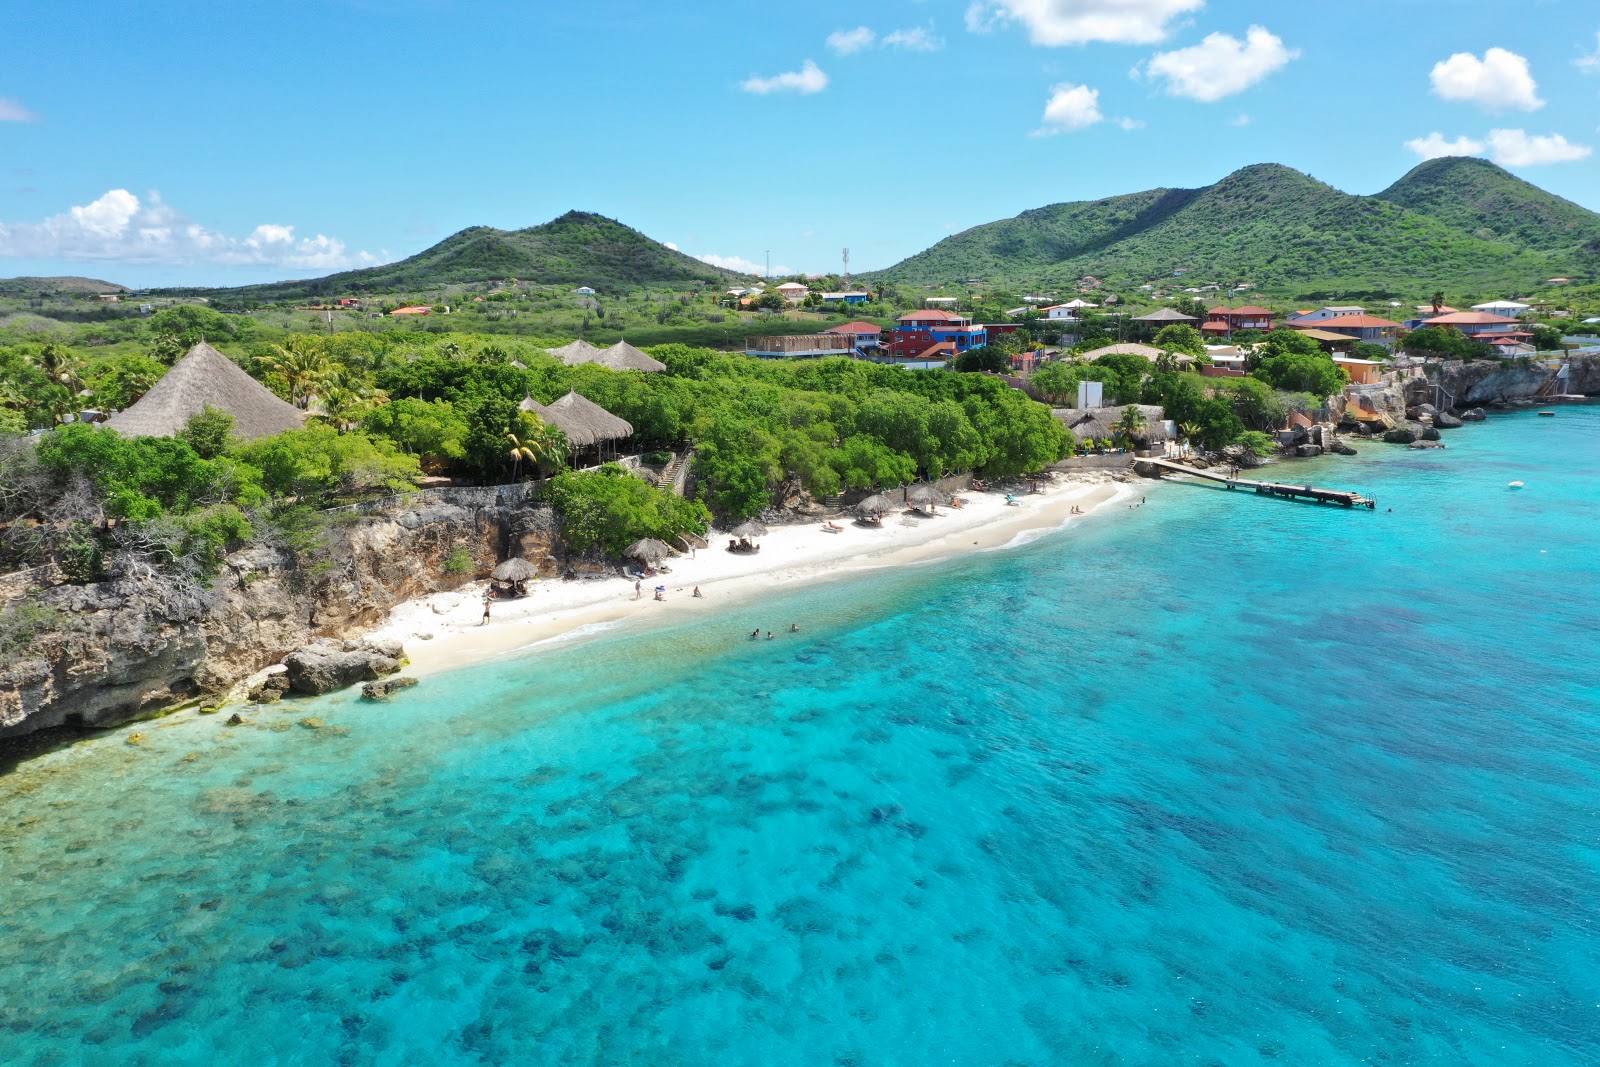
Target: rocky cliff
pixel 1500 381
pixel 118 650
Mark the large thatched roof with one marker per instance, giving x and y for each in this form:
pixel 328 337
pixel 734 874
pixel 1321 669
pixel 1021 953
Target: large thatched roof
pixel 1165 315
pixel 623 356
pixel 207 378
pixel 1101 423
pixel 583 421
pixel 577 352
pixel 1089 428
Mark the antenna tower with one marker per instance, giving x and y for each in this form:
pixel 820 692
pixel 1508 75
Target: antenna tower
pixel 847 268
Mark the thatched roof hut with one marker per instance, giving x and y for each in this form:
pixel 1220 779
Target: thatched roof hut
pixel 648 549
pixel 1089 429
pixel 1100 424
pixel 874 506
pixel 584 422
pixel 577 352
pixel 924 495
pixel 515 570
pixel 623 356
pixel 750 528
pixel 1165 317
pixel 207 378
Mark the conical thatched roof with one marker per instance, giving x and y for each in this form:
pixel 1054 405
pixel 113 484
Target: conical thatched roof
pixel 923 494
pixel 750 528
pixel 623 356
pixel 583 421
pixel 1090 428
pixel 577 352
pixel 877 504
pixel 648 549
pixel 207 378
pixel 515 570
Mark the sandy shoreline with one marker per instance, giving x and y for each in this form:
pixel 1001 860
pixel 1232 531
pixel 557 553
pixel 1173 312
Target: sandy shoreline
pixel 443 631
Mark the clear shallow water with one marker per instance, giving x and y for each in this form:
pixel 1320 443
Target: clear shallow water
pixel 1212 781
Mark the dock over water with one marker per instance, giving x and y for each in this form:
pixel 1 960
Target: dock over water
pixel 1339 497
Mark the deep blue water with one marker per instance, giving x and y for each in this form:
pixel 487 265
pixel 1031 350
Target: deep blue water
pixel 1219 780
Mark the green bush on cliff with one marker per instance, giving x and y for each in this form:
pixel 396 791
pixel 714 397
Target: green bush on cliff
pixel 318 461
pixel 610 508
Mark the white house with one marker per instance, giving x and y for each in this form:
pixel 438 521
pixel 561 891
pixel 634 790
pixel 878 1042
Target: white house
pixel 1072 309
pixel 1509 308
pixel 1330 313
pixel 584 290
pixel 941 301
pixel 794 292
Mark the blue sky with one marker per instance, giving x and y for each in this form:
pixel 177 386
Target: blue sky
pixel 223 143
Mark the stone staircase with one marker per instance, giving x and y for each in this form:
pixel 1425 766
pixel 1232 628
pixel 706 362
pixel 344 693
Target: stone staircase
pixel 669 476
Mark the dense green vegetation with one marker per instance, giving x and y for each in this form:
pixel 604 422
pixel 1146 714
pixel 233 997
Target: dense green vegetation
pixel 1478 198
pixel 1283 231
pixel 579 248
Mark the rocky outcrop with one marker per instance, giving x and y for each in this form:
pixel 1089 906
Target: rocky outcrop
pixel 132 647
pixel 328 665
pixel 1446 421
pixel 1473 415
pixel 1502 381
pixel 384 689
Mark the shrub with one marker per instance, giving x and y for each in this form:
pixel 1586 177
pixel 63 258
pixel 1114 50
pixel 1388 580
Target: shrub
pixel 459 561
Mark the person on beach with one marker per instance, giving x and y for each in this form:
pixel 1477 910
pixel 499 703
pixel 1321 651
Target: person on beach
pixel 697 594
pixel 487 600
pixel 638 589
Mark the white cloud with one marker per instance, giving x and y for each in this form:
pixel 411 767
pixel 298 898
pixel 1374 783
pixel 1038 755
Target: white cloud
pixel 1518 148
pixel 1589 62
pixel 808 79
pixel 1221 65
pixel 742 265
pixel 916 39
pixel 1434 146
pixel 1063 22
pixel 11 110
pixel 849 42
pixel 1131 124
pixel 1498 81
pixel 672 246
pixel 120 228
pixel 1240 119
pixel 1070 107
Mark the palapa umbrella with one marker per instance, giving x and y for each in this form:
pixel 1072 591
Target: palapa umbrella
pixel 515 570
pixel 649 549
pixel 925 495
pixel 874 506
pixel 749 528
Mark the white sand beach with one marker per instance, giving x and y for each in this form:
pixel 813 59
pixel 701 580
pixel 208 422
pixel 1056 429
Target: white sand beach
pixel 444 630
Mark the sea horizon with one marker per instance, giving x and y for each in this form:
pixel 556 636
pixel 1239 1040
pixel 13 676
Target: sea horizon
pixel 1217 779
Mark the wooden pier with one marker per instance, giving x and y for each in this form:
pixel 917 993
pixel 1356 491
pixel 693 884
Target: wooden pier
pixel 1337 497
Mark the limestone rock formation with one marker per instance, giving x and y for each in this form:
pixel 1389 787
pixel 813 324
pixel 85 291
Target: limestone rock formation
pixel 384 689
pixel 328 665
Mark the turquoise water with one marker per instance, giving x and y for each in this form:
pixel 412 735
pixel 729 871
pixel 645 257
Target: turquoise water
pixel 1213 781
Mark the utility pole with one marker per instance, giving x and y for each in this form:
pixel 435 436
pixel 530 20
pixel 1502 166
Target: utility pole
pixel 768 275
pixel 847 268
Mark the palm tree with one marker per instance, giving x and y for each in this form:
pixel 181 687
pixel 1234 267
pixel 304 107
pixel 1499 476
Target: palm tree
pixel 1132 422
pixel 303 367
pixel 61 365
pixel 535 442
pixel 1438 301
pixel 1190 431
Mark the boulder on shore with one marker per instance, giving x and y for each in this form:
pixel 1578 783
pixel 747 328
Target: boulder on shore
pixel 270 689
pixel 1403 434
pixel 1446 421
pixel 1426 444
pixel 1341 448
pixel 383 689
pixel 1307 451
pixel 329 664
pixel 1473 415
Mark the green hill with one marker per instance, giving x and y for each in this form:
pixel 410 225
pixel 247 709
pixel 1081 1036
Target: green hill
pixel 1479 198
pixel 1266 224
pixel 578 248
pixel 56 286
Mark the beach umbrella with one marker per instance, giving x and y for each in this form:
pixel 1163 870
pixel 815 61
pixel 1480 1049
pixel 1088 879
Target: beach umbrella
pixel 648 549
pixel 749 528
pixel 924 495
pixel 874 506
pixel 515 570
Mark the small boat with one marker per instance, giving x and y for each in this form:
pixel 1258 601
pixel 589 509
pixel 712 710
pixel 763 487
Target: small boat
pixel 1547 414
pixel 1514 485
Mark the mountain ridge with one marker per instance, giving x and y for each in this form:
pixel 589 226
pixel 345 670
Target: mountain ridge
pixel 1279 228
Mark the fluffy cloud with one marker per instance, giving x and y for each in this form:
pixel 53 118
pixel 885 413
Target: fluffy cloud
pixel 11 110
pixel 916 39
pixel 849 42
pixel 1131 124
pixel 1434 145
pixel 808 79
pixel 742 265
pixel 1220 65
pixel 120 228
pixel 1589 62
pixel 672 245
pixel 1070 107
pixel 1063 22
pixel 1509 148
pixel 1518 148
pixel 1498 81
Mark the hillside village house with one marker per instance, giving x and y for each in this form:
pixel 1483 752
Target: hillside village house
pixel 934 334
pixel 1358 327
pixel 800 346
pixel 846 298
pixel 794 292
pixel 415 309
pixel 1501 307
pixel 864 336
pixel 1071 311
pixel 1361 371
pixel 584 290
pixel 1332 312
pixel 1248 317
pixel 1478 324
